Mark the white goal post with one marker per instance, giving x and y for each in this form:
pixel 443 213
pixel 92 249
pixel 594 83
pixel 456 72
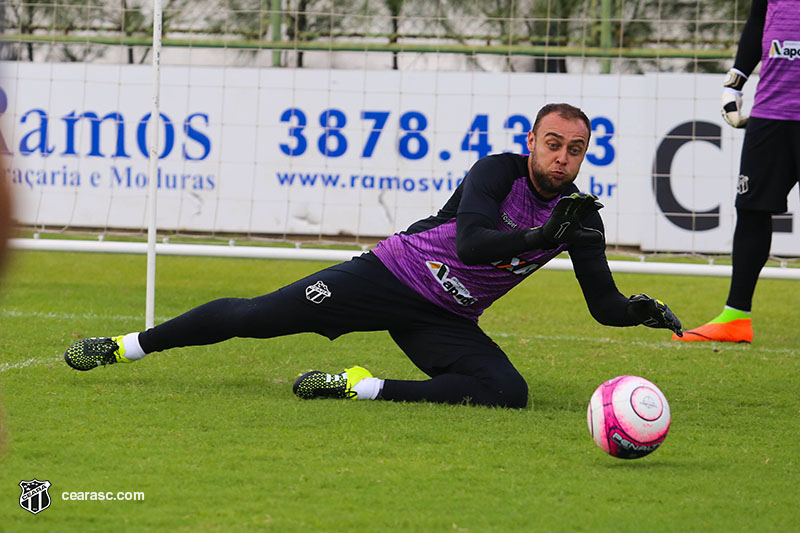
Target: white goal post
pixel 152 188
pixel 318 254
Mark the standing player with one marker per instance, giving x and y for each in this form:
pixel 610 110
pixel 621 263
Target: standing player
pixel 428 285
pixel 770 163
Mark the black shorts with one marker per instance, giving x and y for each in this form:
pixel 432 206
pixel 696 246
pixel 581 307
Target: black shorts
pixel 770 164
pixel 362 295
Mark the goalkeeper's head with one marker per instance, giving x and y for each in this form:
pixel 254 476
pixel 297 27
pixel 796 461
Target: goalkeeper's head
pixel 557 142
pixel 565 111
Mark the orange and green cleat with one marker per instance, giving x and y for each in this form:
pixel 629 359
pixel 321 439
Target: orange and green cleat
pixel 739 330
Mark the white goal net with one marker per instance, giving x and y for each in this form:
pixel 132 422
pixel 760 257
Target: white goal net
pixel 347 120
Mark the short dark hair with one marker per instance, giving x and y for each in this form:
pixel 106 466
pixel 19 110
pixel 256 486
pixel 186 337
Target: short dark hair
pixel 565 111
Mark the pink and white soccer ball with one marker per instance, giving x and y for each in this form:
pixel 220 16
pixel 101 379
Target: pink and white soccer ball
pixel 628 417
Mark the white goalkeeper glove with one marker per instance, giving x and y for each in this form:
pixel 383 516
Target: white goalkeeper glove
pixel 732 98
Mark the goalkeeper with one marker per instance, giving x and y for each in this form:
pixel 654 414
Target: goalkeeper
pixel 429 285
pixel 770 161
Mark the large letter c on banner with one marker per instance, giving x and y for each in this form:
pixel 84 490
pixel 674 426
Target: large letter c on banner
pixel 662 170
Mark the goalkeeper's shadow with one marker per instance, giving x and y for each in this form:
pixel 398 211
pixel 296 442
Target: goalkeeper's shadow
pixel 195 382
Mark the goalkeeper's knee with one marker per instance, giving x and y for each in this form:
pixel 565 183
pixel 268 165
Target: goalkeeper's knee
pixel 509 389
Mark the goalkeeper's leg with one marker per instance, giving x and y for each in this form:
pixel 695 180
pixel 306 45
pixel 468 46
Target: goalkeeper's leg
pixel 331 302
pixel 267 316
pixel 465 366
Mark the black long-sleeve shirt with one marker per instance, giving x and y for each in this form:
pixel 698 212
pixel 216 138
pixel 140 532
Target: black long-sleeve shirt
pixel 749 52
pixel 483 237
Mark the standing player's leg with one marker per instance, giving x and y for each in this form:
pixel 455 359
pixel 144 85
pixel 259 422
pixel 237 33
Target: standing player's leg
pixel 769 169
pixel 752 240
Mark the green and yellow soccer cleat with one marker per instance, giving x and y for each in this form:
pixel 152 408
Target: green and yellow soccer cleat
pixel 87 354
pixel 317 384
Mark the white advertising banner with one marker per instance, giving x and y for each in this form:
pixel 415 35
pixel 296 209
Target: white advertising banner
pixel 349 152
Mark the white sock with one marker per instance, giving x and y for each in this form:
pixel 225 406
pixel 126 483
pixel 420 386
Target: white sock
pixel 734 309
pixel 368 388
pixel 133 350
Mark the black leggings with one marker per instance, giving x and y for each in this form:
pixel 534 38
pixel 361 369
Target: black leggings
pixel 464 364
pixel 751 243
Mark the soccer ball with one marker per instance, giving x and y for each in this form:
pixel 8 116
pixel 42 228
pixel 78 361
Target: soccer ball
pixel 628 417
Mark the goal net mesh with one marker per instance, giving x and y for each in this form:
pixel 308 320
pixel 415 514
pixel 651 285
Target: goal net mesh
pixel 343 121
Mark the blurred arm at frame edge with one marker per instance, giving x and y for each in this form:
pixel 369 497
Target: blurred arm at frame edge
pixel 5 219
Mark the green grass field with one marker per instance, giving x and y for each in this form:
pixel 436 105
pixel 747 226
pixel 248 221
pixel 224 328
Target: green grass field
pixel 217 442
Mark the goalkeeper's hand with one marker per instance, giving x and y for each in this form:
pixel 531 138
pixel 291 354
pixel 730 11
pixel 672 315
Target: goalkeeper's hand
pixel 653 313
pixel 732 99
pixel 565 223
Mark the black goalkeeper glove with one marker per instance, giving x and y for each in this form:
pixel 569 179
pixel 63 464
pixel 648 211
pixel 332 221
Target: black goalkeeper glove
pixel 565 223
pixel 732 99
pixel 653 313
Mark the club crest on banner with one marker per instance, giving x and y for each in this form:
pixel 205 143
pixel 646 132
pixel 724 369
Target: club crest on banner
pixel 34 497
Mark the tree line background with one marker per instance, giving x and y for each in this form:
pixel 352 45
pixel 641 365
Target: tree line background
pixel 520 35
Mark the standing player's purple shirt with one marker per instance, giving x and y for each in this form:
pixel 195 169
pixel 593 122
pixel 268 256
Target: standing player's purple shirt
pixel 778 91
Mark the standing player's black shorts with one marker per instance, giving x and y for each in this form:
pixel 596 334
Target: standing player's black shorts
pixel 770 164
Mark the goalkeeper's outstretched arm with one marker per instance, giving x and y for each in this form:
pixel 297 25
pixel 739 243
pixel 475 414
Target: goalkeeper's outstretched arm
pixel 609 306
pixel 477 242
pixel 606 304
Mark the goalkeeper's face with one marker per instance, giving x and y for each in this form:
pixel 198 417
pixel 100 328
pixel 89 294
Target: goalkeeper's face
pixel 557 148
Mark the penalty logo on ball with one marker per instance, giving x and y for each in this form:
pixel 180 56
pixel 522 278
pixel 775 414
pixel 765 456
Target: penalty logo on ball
pixel 628 417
